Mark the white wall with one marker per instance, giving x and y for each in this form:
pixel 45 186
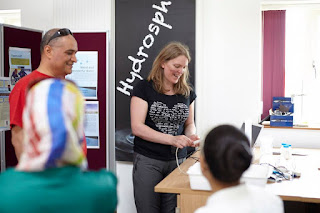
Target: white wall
pixel 125 188
pixel 228 70
pixel 83 14
pixel 298 138
pixel 31 17
pixel 77 15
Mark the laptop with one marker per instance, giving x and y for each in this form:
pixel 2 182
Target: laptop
pixel 255 132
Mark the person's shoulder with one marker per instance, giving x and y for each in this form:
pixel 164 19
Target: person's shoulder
pixel 192 92
pixel 192 95
pixel 202 209
pixel 102 177
pixel 144 83
pixel 7 173
pixel 208 208
pixel 256 189
pixel 8 177
pixel 142 88
pixel 261 193
pixel 109 176
pixel 272 202
pixel 24 81
pixel 103 184
pixel 102 187
pixel 33 74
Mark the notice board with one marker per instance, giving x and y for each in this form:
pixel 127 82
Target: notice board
pixel 97 41
pixel 22 38
pixel 28 38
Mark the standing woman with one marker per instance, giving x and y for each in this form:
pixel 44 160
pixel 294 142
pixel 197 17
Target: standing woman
pixel 162 120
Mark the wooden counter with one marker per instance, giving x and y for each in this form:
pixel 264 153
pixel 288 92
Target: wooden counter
pixel 188 200
pixel 303 189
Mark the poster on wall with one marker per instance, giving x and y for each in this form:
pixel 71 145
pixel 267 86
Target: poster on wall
pixel 91 124
pixel 151 25
pixel 19 63
pixel 5 89
pixel 85 73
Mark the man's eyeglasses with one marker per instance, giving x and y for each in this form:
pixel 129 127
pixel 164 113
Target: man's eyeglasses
pixel 59 33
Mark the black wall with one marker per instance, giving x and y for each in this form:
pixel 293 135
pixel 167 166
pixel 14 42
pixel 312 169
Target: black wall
pixel 145 25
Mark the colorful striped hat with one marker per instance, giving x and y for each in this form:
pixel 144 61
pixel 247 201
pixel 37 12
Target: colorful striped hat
pixel 53 126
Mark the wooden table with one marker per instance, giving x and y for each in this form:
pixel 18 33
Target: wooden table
pixel 303 189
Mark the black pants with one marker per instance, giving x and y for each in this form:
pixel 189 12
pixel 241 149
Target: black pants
pixel 146 174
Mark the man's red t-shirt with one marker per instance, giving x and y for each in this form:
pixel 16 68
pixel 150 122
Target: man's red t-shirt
pixel 17 100
pixel 17 97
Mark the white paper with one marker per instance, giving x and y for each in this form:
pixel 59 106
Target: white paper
pixel 85 73
pixel 92 124
pixel 19 63
pixel 5 89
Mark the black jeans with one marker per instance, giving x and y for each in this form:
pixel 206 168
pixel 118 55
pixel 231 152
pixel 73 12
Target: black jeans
pixel 146 174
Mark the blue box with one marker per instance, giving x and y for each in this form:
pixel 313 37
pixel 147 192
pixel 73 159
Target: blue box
pixel 285 101
pixel 281 120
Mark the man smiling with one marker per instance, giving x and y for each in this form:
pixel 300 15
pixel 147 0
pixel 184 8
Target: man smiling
pixel 58 50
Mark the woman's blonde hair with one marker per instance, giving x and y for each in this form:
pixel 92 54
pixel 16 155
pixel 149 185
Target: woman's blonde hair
pixel 169 52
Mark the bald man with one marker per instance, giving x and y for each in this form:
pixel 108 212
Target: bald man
pixel 58 50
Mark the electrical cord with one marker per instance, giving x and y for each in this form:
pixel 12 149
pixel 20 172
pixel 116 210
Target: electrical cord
pixel 279 171
pixel 177 160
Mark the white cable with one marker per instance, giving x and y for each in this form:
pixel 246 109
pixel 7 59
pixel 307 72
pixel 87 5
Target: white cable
pixel 178 163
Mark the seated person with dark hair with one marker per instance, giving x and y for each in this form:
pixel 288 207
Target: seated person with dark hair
pixel 225 156
pixel 49 176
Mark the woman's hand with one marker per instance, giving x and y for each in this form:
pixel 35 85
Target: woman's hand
pixel 195 140
pixel 181 141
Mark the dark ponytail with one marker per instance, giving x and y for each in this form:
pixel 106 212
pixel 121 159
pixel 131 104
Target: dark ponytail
pixel 227 152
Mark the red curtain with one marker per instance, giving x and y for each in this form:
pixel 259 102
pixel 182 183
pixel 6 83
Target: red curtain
pixel 273 56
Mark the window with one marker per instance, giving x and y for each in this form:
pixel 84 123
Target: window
pixel 302 55
pixel 302 58
pixel 12 17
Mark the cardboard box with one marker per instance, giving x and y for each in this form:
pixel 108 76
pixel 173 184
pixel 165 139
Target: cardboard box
pixel 284 105
pixel 197 180
pixel 254 175
pixel 281 120
pixel 284 101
